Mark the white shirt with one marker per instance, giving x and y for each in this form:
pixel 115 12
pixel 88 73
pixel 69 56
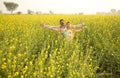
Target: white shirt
pixel 67 33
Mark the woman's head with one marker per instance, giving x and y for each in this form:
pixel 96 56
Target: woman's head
pixel 68 24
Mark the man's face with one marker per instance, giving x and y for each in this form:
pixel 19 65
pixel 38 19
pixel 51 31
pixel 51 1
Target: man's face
pixel 62 22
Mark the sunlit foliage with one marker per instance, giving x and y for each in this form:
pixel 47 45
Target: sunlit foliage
pixel 29 51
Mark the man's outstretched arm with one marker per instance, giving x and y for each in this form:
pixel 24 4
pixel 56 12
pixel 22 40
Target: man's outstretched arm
pixel 50 27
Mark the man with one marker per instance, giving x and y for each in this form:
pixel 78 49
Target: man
pixel 66 30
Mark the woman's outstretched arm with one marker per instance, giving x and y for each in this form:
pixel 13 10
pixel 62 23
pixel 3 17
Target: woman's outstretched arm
pixel 79 26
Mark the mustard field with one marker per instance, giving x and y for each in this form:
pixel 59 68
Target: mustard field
pixel 29 51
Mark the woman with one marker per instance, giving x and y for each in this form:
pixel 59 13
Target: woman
pixel 66 30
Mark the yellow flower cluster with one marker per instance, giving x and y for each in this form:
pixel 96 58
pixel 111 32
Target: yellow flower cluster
pixel 30 51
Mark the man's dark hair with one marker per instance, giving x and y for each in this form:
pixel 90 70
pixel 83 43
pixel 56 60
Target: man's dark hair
pixel 61 20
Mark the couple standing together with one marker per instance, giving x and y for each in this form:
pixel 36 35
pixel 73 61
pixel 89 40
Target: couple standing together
pixel 66 30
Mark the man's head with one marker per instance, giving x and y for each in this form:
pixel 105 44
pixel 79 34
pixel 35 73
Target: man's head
pixel 62 22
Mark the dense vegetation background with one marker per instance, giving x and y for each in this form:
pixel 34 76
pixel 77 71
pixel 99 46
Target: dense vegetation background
pixel 29 51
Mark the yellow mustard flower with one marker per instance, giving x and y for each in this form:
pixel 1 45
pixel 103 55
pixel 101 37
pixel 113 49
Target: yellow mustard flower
pixel 31 63
pixel 21 76
pixel 12 47
pixel 3 66
pixel 35 74
pixel 3 59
